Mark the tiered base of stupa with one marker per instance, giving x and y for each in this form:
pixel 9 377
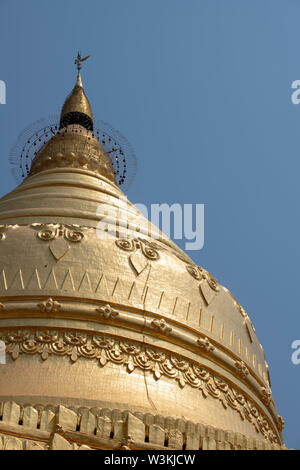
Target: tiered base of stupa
pixel 37 427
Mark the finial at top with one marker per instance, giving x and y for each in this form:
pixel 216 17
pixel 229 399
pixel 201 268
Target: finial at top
pixel 77 109
pixel 79 60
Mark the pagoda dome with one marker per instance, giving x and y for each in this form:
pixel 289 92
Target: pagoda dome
pixel 106 317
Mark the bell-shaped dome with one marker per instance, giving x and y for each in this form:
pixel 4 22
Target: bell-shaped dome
pixel 104 315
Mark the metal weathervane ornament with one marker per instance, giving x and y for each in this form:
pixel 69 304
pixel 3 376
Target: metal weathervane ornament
pixel 37 135
pixel 79 60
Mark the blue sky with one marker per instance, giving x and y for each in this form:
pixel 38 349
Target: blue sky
pixel 202 90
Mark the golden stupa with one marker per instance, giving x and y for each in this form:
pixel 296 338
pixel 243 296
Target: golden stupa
pixel 116 342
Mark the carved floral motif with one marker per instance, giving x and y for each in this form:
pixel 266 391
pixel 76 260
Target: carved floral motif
pixel 107 311
pixel 161 325
pixel 49 305
pixel 243 313
pixel 135 244
pixel 241 369
pixel 132 355
pixel 280 423
pixel 194 271
pixel 48 232
pixel 199 274
pixel 266 395
pixel 205 344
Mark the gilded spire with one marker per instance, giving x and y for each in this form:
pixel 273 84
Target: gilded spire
pixel 75 145
pixel 77 108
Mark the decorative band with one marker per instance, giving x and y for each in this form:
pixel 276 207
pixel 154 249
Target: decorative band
pixel 134 355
